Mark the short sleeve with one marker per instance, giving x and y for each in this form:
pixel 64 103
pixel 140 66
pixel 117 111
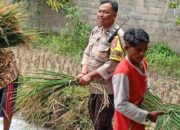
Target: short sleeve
pixel 116 51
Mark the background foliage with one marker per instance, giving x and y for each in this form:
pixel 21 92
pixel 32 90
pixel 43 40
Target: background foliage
pixel 162 60
pixel 54 4
pixel 175 4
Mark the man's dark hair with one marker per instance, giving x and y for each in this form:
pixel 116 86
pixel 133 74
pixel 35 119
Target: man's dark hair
pixel 136 36
pixel 114 4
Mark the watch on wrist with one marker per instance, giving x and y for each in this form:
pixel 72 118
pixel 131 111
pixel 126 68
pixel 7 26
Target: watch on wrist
pixel 148 117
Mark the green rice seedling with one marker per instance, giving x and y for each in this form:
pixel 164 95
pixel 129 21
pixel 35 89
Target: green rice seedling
pixel 170 120
pixel 53 100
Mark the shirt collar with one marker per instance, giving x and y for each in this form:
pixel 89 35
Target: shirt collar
pixel 103 30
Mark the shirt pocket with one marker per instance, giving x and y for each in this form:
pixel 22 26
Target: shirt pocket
pixel 103 53
pixel 92 41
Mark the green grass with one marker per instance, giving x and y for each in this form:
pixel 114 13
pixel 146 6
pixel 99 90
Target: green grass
pixel 72 40
pixel 162 60
pixel 63 46
pixel 170 120
pixel 47 100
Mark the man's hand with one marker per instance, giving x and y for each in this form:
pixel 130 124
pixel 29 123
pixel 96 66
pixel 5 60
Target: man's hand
pixel 84 80
pixel 154 115
pixel 79 76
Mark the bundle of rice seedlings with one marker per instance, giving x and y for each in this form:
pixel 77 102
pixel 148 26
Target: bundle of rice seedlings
pixel 53 100
pixel 170 120
pixel 11 34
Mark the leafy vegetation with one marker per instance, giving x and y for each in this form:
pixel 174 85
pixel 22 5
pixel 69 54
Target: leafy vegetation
pixel 170 120
pixel 173 4
pixel 53 100
pixel 178 21
pixel 72 39
pixel 56 5
pixel 163 60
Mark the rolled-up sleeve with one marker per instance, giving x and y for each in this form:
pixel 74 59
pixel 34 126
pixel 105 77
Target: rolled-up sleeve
pixel 121 100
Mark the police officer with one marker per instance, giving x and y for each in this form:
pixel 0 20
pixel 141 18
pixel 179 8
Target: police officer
pixel 99 60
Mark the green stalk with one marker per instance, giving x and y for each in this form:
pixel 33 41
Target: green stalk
pixel 170 120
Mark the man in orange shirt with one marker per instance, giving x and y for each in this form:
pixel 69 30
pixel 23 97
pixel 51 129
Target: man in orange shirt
pixel 130 84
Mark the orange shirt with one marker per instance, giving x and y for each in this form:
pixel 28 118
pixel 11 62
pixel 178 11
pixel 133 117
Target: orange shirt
pixel 129 86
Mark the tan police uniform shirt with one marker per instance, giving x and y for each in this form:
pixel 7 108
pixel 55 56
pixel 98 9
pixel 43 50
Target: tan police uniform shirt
pixel 97 57
pixel 8 68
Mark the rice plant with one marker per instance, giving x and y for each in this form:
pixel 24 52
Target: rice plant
pixel 11 33
pixel 170 120
pixel 53 100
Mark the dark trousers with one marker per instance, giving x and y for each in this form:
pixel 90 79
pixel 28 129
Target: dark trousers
pixel 102 118
pixel 7 99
